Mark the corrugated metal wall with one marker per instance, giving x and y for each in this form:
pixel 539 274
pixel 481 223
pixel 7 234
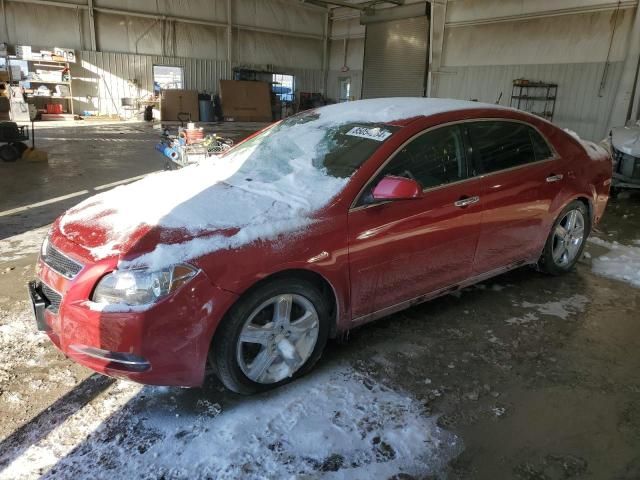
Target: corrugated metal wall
pixel 101 79
pixel 580 105
pixel 482 60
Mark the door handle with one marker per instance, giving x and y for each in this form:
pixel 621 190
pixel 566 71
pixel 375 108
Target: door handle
pixel 466 201
pixel 554 178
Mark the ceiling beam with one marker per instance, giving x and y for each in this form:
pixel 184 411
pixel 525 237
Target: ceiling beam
pixel 155 16
pixel 362 6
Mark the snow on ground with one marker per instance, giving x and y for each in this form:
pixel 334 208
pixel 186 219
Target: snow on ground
pixel 622 262
pixel 267 186
pixel 20 342
pixel 23 244
pixel 335 423
pixel 562 308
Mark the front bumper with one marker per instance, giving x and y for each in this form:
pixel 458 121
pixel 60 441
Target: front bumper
pixel 167 344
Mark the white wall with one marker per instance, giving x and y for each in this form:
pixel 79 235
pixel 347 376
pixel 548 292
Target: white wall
pixel 284 35
pixel 580 46
pixel 489 43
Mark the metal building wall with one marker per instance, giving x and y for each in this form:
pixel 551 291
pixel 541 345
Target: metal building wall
pixel 101 80
pixel 580 107
pixel 489 43
pixel 282 35
pixel 582 51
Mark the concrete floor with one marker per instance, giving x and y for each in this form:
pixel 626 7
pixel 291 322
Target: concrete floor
pixel 526 376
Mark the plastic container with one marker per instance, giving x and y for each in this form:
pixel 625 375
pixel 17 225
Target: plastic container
pixel 206 110
pixel 54 108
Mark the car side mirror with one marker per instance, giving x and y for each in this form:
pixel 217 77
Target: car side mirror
pixel 396 188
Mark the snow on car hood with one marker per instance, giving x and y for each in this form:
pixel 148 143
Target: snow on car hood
pixel 193 211
pixel 229 201
pixel 627 140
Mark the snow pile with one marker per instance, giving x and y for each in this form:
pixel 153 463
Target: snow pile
pixel 268 186
pixel 21 245
pixel 334 424
pixel 20 342
pixel 562 308
pixel 621 263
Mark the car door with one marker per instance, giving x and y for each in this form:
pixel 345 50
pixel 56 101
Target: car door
pixel 520 177
pixel 401 250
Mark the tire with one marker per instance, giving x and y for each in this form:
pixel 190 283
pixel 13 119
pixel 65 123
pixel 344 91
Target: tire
pixel 8 153
pixel 565 243
pixel 20 147
pixel 234 360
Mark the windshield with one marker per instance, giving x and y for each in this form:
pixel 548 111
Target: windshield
pixel 303 141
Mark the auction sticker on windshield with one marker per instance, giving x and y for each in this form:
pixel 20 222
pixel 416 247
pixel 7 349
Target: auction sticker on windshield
pixel 378 134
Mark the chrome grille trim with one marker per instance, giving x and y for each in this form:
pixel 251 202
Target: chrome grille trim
pixel 59 262
pixel 54 298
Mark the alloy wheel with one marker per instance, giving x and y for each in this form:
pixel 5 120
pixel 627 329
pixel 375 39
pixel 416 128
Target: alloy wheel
pixel 568 238
pixel 278 338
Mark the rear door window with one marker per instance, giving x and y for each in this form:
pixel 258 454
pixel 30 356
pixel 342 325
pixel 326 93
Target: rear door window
pixel 500 145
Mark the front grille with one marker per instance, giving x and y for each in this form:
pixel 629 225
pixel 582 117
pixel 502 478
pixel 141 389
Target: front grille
pixel 61 263
pixel 53 297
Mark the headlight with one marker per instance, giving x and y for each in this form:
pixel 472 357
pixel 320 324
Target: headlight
pixel 141 286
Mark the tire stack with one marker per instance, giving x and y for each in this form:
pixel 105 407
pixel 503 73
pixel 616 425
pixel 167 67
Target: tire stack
pixel 12 149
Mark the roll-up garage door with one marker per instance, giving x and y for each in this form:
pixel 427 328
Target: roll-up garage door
pixel 395 58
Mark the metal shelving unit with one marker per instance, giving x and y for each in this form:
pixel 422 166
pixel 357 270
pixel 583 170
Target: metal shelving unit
pixel 538 98
pixel 51 65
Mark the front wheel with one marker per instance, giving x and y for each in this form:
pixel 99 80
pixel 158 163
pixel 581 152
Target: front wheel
pixel 566 241
pixel 273 335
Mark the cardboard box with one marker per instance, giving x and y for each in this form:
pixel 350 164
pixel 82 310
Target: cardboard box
pixel 174 102
pixel 246 101
pixel 4 76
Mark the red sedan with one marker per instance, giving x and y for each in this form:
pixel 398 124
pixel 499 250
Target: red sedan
pixel 322 222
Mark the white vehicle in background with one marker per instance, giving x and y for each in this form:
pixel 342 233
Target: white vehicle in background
pixel 625 150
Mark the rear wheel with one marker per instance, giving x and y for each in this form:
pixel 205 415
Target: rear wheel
pixel 273 335
pixel 566 241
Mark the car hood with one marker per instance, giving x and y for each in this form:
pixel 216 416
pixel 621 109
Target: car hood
pixel 173 217
pixel 626 140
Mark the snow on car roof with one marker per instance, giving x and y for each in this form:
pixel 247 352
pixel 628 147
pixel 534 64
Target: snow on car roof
pixel 252 191
pixel 385 110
